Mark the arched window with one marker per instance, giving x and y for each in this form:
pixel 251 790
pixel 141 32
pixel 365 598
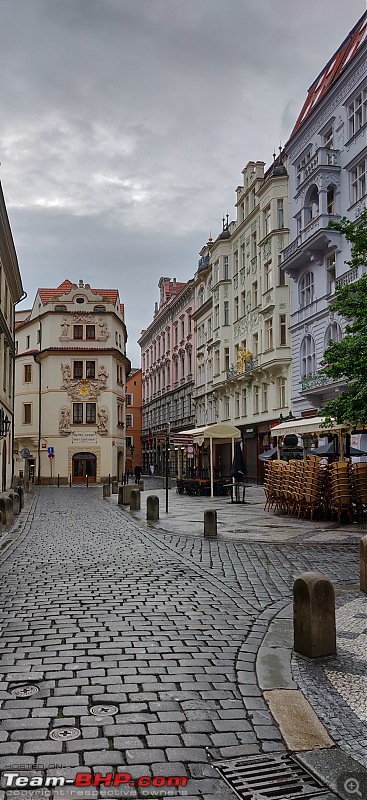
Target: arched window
pixel 308 356
pixel 333 334
pixel 306 289
pixel 312 204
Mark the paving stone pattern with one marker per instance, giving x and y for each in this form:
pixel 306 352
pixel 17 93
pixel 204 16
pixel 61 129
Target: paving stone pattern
pixel 97 610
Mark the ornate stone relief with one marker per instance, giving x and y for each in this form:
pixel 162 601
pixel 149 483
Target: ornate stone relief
pixel 65 325
pixel 83 388
pixel 102 421
pixel 235 281
pixel 64 421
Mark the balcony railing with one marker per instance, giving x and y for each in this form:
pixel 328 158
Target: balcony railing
pixel 348 277
pixel 317 224
pixel 324 157
pixel 315 379
pixel 234 374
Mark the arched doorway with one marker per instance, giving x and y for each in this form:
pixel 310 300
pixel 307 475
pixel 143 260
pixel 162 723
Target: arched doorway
pixel 3 468
pixel 84 464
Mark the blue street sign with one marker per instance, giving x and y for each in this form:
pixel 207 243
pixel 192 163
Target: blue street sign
pixel 50 450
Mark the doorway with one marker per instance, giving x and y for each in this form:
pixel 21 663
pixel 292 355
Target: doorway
pixel 84 464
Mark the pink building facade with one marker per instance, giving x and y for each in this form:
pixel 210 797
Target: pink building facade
pixel 168 369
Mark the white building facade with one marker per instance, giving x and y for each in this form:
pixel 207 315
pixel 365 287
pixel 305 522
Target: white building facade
pixel 70 385
pixel 327 165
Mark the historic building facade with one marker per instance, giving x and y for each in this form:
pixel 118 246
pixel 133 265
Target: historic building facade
pixel 11 292
pixel 133 420
pixel 242 318
pixel 327 164
pixel 70 385
pixel 168 364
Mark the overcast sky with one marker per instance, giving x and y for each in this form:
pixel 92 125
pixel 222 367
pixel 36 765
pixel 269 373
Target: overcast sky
pixel 125 125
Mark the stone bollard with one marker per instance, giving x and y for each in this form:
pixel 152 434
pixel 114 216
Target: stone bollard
pixel 135 500
pixel 124 494
pixel 152 507
pixel 28 486
pixel 120 496
pixel 14 497
pixel 363 564
pixel 20 492
pixel 210 523
pixel 106 490
pixel 6 508
pixel 314 615
pixel 115 487
pixel 141 486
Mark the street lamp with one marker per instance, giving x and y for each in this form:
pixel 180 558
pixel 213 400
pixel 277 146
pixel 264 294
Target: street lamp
pixel 4 424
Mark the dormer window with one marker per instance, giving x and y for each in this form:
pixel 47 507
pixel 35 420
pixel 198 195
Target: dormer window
pixel 99 309
pixel 60 308
pixel 80 300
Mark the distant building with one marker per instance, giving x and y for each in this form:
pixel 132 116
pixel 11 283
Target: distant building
pixel 327 164
pixel 168 365
pixel 133 420
pixel 70 384
pixel 11 292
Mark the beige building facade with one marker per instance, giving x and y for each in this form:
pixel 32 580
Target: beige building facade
pixel 11 292
pixel 70 385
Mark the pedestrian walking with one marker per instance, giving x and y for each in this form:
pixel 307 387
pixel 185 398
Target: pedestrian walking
pixel 137 473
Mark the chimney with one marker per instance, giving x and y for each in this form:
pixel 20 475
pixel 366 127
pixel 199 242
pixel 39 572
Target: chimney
pixel 174 286
pixel 156 309
pixel 81 284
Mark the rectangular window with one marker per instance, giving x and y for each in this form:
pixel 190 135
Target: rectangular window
pixel 226 408
pixel 78 369
pixel 182 329
pixel 176 370
pixel 243 304
pixel 331 273
pixel 90 413
pixel 280 213
pixel 268 276
pixel 120 415
pixel 281 392
pixel 129 442
pixel 27 413
pixel 216 362
pixel 216 272
pixel 357 113
pixel 235 257
pixel 328 138
pixel 235 309
pixel 90 369
pixel 358 181
pixel 237 404
pixel 78 413
pixel 176 334
pixel 129 399
pixel 78 332
pixel 27 342
pixel 269 334
pixel 243 256
pixel 282 329
pixel 254 295
pixel 210 328
pixel 189 322
pixel 264 397
pixel 27 373
pixel 244 402
pixel 255 345
pixel 256 399
pixel 226 312
pixel 267 220
pixel 90 331
pixel 216 317
pixel 225 268
pixel 226 359
pixel 254 245
pixel 182 366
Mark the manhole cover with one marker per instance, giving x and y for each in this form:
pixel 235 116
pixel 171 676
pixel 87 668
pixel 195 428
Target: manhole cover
pixel 65 734
pixel 24 691
pixel 269 777
pixel 104 711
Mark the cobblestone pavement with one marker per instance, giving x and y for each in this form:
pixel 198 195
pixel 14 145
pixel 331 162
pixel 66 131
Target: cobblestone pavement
pixel 98 610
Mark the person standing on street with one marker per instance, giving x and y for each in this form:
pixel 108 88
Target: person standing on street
pixel 137 473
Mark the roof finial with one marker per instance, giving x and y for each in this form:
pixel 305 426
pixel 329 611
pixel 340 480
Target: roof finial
pixel 274 154
pixel 223 219
pixel 227 218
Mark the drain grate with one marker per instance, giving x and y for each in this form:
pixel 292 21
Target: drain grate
pixel 65 734
pixel 271 777
pixel 104 711
pixel 24 691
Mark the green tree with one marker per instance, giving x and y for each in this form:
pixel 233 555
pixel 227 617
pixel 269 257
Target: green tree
pixel 348 359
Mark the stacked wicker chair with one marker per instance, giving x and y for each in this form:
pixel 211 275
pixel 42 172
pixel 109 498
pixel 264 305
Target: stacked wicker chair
pixel 358 476
pixel 313 488
pixel 340 493
pixel 295 489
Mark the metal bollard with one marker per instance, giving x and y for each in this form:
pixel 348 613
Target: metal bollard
pixel 210 523
pixel 314 615
pixel 87 480
pixel 58 480
pixel 70 481
pixel 134 500
pixel 152 507
pixel 363 564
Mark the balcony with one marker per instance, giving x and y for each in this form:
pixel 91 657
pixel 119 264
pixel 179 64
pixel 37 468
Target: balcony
pixel 203 262
pixel 324 158
pixel 311 243
pixel 234 374
pixel 315 380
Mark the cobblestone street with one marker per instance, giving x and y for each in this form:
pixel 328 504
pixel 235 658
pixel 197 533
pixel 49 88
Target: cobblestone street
pixel 167 635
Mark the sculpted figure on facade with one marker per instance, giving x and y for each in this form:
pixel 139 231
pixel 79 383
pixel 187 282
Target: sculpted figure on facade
pixel 103 330
pixel 65 325
pixel 66 376
pixel 102 377
pixel 102 422
pixel 64 421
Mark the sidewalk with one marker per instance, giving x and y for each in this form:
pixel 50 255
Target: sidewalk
pixel 183 644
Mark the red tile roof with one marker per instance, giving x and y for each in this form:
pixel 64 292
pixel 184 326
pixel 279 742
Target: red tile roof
pixel 333 69
pixel 66 286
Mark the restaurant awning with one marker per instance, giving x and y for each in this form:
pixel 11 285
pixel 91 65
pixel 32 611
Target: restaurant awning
pixel 219 430
pixel 305 427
